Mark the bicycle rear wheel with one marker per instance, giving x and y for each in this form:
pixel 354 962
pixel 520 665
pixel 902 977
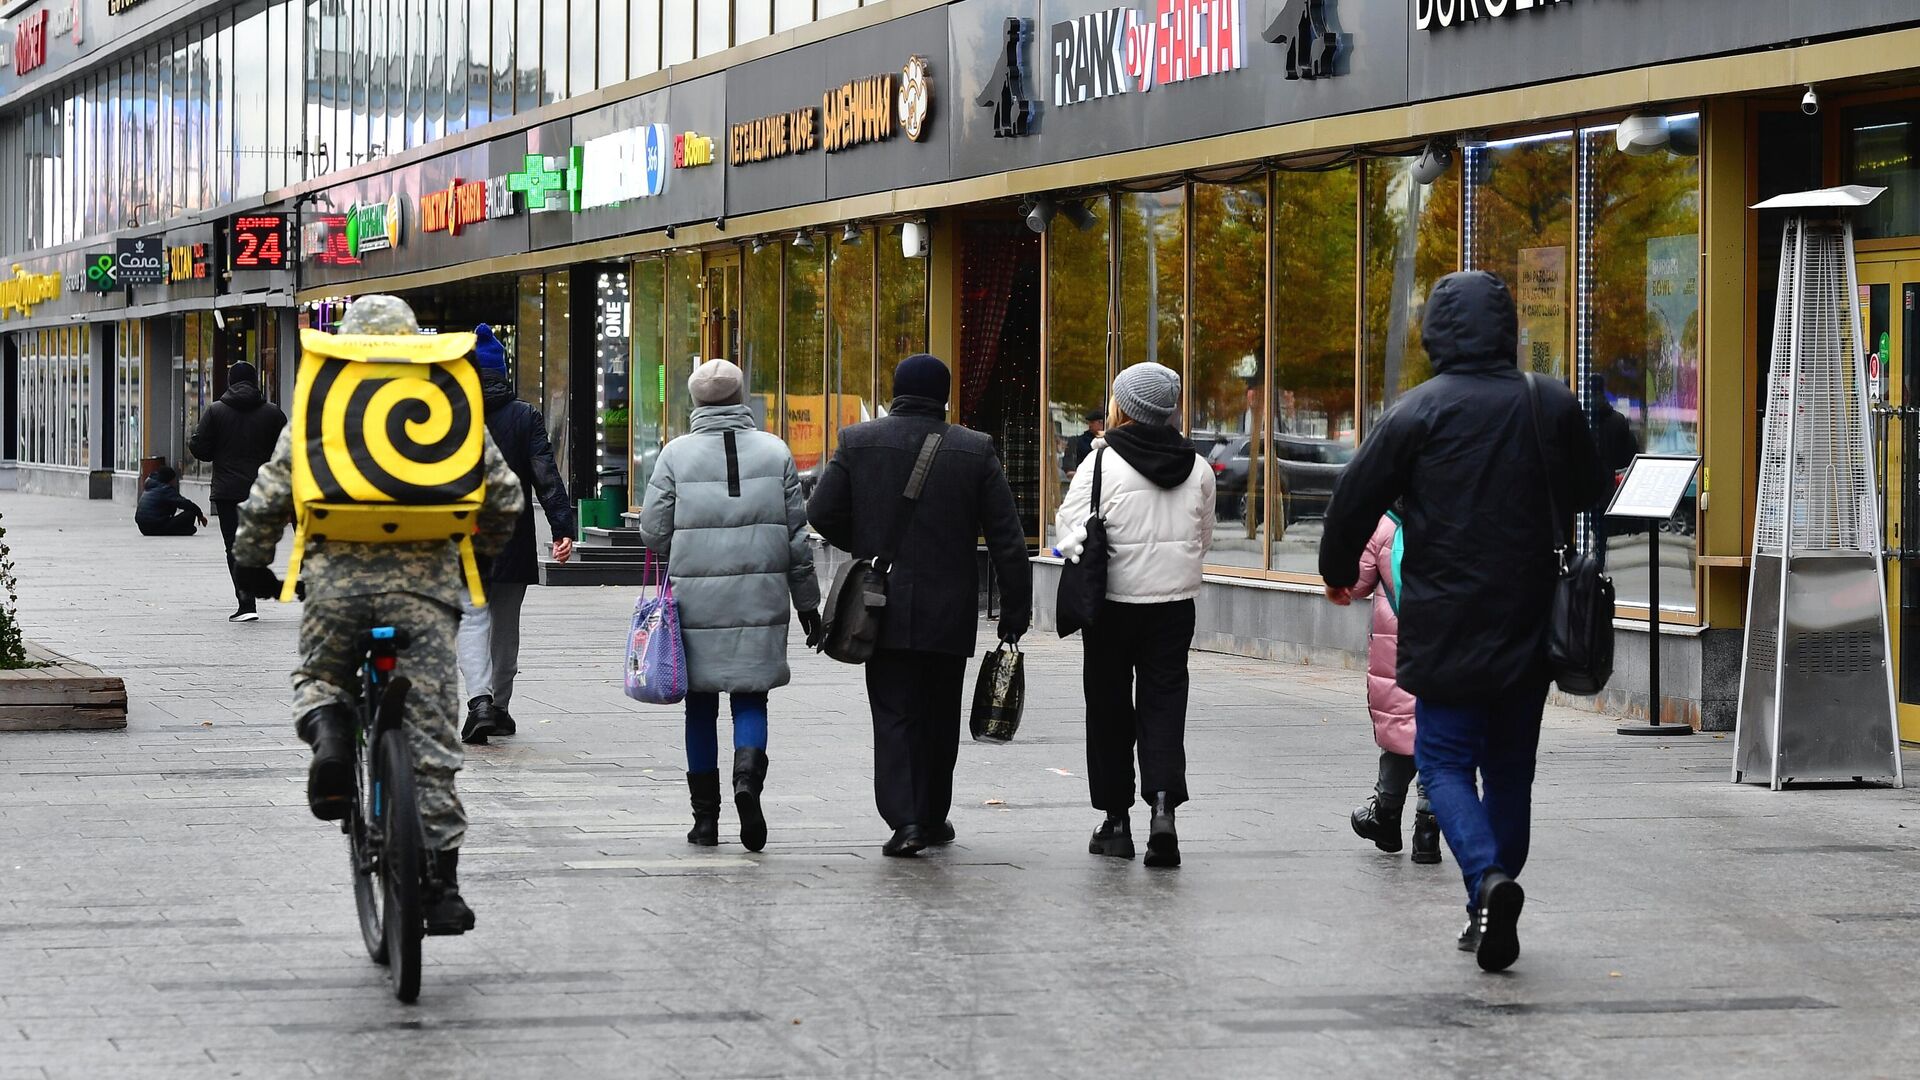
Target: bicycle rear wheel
pixel 403 912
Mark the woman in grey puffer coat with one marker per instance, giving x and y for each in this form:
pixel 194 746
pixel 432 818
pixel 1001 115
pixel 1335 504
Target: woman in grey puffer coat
pixel 724 508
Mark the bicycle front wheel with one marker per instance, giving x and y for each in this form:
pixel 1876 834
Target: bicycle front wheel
pixel 403 850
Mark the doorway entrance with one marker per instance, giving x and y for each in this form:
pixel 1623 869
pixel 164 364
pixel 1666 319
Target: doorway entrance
pixel 1889 284
pixel 720 307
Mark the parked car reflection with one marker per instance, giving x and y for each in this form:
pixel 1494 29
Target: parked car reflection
pixel 1306 470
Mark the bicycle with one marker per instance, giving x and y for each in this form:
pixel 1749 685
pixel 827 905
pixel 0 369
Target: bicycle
pixel 392 873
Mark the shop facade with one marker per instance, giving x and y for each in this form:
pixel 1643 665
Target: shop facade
pixel 1257 193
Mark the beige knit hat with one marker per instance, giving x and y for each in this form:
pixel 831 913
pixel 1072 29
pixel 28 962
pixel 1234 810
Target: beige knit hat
pixel 717 382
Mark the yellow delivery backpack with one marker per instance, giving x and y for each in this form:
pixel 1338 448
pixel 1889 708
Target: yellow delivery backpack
pixel 389 438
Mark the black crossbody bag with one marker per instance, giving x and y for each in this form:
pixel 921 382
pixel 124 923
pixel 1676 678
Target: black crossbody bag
pixel 857 603
pixel 1580 623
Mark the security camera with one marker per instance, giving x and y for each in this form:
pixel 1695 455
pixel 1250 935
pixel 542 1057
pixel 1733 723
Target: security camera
pixel 913 240
pixel 1434 161
pixel 1642 134
pixel 1810 103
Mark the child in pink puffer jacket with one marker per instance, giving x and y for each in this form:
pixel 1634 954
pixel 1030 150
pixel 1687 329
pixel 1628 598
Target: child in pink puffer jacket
pixel 1378 819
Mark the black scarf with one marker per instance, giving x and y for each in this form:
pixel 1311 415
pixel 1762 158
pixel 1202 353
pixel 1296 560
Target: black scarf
pixel 1156 451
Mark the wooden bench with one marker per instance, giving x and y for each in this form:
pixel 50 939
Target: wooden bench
pixel 61 695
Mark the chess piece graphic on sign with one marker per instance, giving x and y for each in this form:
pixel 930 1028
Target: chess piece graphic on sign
pixel 1006 88
pixel 1311 47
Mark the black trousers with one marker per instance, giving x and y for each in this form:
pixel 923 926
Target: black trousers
pixel 229 515
pixel 180 524
pixel 915 697
pixel 1135 677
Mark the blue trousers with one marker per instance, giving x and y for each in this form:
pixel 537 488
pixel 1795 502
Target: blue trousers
pixel 703 718
pixel 1487 828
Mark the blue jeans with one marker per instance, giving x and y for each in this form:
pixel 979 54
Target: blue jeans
pixel 703 717
pixel 1487 829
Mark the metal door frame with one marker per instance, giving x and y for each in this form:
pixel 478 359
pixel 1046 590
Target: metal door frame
pixel 1897 421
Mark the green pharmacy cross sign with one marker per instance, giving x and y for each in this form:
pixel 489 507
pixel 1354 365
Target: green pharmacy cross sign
pixel 537 179
pixel 102 277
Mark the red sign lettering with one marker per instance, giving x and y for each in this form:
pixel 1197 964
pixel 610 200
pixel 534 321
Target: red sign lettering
pixel 30 42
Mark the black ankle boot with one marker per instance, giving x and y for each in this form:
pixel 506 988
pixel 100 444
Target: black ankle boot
pixel 1374 821
pixel 482 721
pixel 703 790
pixel 749 775
pixel 1114 837
pixel 329 730
pixel 447 913
pixel 1426 837
pixel 1163 844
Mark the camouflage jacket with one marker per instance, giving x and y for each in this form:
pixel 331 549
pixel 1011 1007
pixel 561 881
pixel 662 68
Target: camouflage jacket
pixel 336 568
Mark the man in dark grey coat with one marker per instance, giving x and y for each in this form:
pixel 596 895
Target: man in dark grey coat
pixel 916 677
pixel 236 436
pixel 724 505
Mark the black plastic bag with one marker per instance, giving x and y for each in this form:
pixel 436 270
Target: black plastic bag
pixel 999 694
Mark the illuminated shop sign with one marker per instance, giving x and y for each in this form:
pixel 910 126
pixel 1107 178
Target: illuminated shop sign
pixel 1006 90
pixel 140 261
pixel 614 168
pixel 865 110
pixel 103 275
pixel 541 178
pixel 464 203
pixel 120 7
pixel 692 149
pixel 259 242
pixel 373 228
pixel 22 291
pixel 1123 50
pixel 1440 14
pixel 188 262
pixel 324 241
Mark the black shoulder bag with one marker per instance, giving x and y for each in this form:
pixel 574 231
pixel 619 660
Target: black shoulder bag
pixel 1083 584
pixel 1580 624
pixel 857 603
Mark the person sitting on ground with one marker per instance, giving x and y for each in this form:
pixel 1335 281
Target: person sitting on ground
pixel 163 511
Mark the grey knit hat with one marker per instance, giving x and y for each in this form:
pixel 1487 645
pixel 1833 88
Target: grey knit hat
pixel 1148 393
pixel 717 382
pixel 377 313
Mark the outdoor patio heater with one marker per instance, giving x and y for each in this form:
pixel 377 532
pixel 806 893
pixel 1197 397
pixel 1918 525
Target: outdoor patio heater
pixel 1816 681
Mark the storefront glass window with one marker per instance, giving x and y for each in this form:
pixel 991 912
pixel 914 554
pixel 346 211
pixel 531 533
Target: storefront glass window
pixel 643 47
pixel 1225 382
pixel 788 14
pixel 128 405
pixel 613 331
pixel 1640 314
pixel 676 33
pixel 613 41
pixel 478 70
pixel 850 334
pixel 712 31
pixel 55 394
pixel 649 387
pixel 528 338
pixel 1152 312
pixel 250 111
pixel 902 314
pixel 1412 240
pixel 392 120
pixel 556 381
pixel 526 52
pixel 454 77
pixel 685 285
pixel 806 369
pixel 1520 226
pixel 196 387
pixel 1078 281
pixel 1883 150
pixel 580 59
pixel 997 373
pixel 760 333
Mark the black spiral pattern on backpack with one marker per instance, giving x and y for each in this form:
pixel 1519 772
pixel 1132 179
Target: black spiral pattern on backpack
pixel 364 431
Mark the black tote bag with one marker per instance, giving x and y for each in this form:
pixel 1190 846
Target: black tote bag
pixel 1083 584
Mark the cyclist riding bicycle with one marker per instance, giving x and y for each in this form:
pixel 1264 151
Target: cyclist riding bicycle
pixel 352 588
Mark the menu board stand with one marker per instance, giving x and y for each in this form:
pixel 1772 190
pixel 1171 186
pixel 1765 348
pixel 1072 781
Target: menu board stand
pixel 1650 492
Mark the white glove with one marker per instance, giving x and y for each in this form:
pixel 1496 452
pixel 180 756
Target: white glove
pixel 1072 547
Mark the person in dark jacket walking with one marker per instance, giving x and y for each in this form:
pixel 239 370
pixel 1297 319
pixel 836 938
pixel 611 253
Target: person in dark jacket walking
pixel 723 504
pixel 163 511
pixel 236 436
pixel 489 642
pixel 916 676
pixel 1462 454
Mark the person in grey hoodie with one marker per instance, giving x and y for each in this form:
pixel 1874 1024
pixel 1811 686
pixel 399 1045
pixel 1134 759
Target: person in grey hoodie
pixel 724 507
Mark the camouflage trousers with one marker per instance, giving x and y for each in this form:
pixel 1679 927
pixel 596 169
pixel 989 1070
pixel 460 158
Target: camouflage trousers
pixel 329 672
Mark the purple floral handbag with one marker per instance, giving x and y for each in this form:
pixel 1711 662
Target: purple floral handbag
pixel 656 655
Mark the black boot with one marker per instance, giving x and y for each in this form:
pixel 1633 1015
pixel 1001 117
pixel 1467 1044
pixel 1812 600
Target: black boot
pixel 447 913
pixel 1163 844
pixel 503 721
pixel 905 842
pixel 1373 820
pixel 703 790
pixel 329 730
pixel 749 775
pixel 1426 837
pixel 1114 837
pixel 481 721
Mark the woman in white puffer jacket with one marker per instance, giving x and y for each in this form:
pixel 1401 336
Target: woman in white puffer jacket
pixel 1156 497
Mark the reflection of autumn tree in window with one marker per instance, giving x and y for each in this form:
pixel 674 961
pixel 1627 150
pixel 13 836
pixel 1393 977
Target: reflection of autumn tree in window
pixel 1521 214
pixel 1229 302
pixel 1313 253
pixel 1643 300
pixel 645 385
pixel 1152 277
pixel 850 334
pixel 1077 283
pixel 1412 240
pixel 901 312
pixel 806 372
pixel 760 330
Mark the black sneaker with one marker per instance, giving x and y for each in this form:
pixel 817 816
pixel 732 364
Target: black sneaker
pixel 244 615
pixel 1426 838
pixel 1163 843
pixel 503 722
pixel 1114 838
pixel 1469 939
pixel 1498 944
pixel 481 721
pixel 1373 822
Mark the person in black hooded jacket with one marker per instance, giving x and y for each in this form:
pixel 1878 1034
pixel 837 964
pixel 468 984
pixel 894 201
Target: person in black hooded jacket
pixel 163 511
pixel 489 643
pixel 1463 456
pixel 236 436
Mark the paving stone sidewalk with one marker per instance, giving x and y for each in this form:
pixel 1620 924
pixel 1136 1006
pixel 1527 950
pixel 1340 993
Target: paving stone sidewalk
pixel 168 909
